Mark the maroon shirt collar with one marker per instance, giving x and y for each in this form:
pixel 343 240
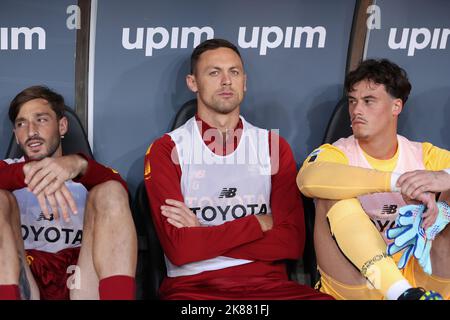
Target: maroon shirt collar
pixel 214 139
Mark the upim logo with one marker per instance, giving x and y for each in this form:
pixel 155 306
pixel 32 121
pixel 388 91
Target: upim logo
pixel 13 34
pixel 419 39
pixel 159 37
pixel 272 37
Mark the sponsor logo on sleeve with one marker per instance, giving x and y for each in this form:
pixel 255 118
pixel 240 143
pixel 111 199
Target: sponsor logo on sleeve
pixel 313 155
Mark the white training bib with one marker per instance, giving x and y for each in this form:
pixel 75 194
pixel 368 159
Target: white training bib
pixel 50 235
pixel 222 188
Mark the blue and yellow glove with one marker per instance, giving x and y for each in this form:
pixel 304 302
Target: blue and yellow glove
pixel 408 235
pixel 408 247
pixel 411 237
pixel 443 218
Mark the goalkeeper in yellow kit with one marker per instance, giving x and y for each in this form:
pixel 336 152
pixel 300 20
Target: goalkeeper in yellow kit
pixel 369 244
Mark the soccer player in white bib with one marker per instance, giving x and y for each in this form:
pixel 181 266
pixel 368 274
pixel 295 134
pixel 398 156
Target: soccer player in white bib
pixel 369 243
pixel 223 194
pixel 65 219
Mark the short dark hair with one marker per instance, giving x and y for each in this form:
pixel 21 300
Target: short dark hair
pixel 55 100
pixel 211 44
pixel 393 77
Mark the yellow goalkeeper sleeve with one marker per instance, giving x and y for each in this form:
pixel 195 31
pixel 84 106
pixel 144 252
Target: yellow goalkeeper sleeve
pixel 328 180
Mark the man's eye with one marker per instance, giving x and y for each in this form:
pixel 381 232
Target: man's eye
pixel 214 73
pixel 234 72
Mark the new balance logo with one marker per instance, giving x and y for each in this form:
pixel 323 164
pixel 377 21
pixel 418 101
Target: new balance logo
pixel 228 193
pixel 389 209
pixel 42 217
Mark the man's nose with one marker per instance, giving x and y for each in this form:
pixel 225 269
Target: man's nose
pixel 356 108
pixel 226 79
pixel 32 129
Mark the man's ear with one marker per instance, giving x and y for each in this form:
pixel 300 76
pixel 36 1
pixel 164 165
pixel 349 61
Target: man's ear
pixel 397 107
pixel 191 83
pixel 63 126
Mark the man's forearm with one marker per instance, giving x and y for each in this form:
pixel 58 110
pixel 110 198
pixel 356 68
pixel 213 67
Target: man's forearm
pixel 327 180
pixel 96 173
pixel 12 177
pixel 282 242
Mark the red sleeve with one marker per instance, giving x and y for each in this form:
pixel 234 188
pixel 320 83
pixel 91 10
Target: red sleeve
pixel 185 245
pixel 96 174
pixel 11 176
pixel 286 239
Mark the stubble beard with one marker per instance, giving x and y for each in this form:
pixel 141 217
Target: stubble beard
pixel 225 107
pixel 52 148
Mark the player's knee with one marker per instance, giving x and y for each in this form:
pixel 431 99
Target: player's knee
pixel 109 190
pixel 345 206
pixel 108 196
pixel 7 202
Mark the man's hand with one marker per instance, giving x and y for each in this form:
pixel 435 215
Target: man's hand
pixel 414 183
pixel 421 185
pixel 61 199
pixel 179 215
pixel 429 200
pixel 49 174
pixel 441 222
pixel 265 221
pixel 46 179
